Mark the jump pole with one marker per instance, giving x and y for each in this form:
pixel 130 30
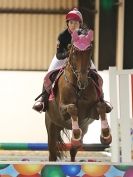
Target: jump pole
pixel 115 151
pixel 120 97
pixel 44 146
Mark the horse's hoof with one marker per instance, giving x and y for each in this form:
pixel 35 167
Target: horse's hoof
pixel 106 137
pixel 76 134
pixel 106 140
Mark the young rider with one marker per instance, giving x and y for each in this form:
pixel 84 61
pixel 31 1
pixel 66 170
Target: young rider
pixel 74 21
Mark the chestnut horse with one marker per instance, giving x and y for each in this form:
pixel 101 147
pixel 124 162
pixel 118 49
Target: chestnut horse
pixel 76 102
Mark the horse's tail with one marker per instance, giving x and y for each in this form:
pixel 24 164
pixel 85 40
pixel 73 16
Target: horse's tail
pixel 61 146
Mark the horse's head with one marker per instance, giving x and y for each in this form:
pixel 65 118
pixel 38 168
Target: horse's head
pixel 80 56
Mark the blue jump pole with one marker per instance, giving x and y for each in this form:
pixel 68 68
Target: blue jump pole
pixel 44 146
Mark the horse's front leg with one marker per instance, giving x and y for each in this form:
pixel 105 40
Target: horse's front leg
pixel 105 137
pixel 72 110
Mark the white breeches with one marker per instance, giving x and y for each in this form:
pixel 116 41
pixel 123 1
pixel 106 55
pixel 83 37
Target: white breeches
pixel 92 65
pixel 57 64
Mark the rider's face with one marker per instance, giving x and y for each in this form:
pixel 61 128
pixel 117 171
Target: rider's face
pixel 73 25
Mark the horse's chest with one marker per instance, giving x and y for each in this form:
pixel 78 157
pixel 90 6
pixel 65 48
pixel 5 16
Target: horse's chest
pixel 83 104
pixel 85 97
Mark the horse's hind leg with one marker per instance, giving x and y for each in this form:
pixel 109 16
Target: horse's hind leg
pixel 52 138
pixel 105 137
pixel 74 149
pixel 73 152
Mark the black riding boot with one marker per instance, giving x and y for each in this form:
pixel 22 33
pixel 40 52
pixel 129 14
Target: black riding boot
pixel 97 78
pixel 42 104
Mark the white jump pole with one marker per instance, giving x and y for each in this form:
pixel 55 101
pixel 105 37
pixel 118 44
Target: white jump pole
pixel 120 97
pixel 125 116
pixel 115 151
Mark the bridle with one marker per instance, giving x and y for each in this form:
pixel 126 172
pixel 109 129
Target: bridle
pixel 74 68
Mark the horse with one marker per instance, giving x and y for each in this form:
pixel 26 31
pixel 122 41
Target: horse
pixel 76 102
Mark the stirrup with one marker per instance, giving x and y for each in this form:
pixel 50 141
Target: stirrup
pixel 36 109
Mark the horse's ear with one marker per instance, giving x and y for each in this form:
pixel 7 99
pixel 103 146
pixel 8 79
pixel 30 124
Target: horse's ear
pixel 75 36
pixel 90 35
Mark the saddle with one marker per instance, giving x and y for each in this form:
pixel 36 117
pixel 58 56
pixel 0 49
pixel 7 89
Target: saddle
pixel 93 74
pixel 54 77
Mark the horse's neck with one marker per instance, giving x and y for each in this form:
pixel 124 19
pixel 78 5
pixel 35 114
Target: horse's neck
pixel 70 74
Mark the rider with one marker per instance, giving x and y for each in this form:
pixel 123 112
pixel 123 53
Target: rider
pixel 74 21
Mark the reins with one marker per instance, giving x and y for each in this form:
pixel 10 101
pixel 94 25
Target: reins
pixel 74 69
